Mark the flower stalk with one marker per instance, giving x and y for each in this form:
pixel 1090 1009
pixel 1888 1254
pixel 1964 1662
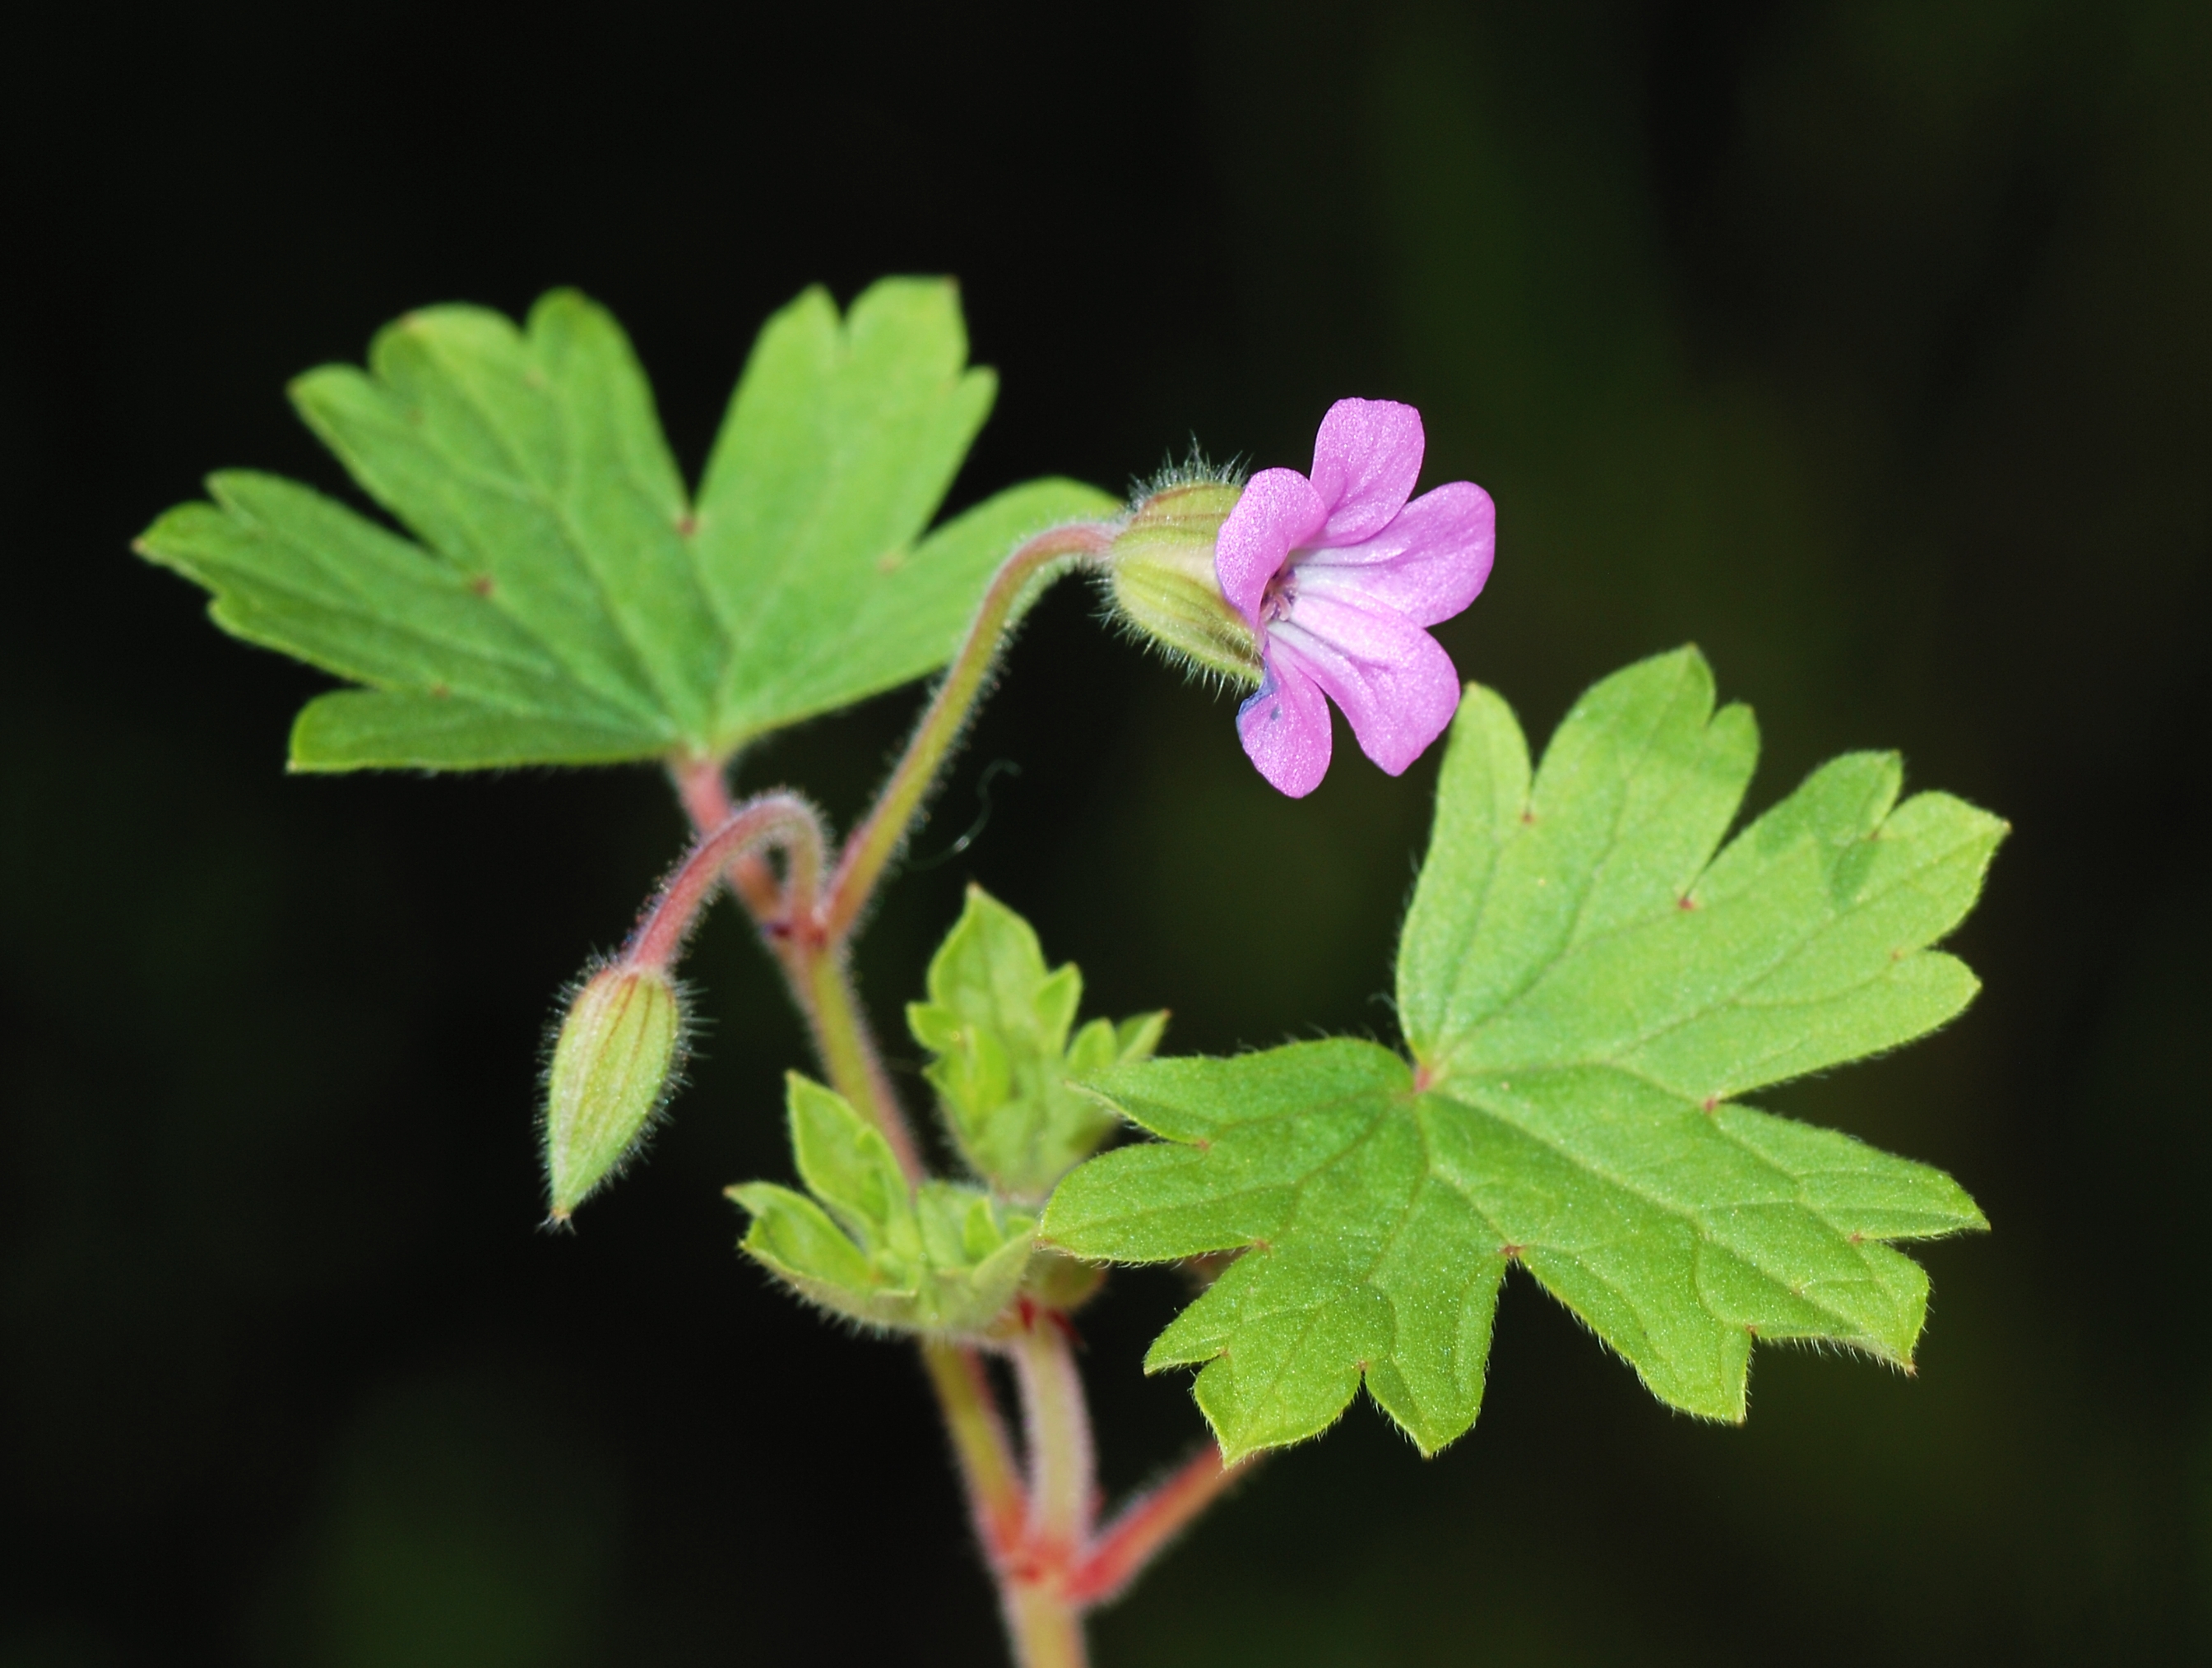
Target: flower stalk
pixel 877 840
pixel 782 821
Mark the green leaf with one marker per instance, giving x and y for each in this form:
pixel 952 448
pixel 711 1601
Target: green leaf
pixel 937 1259
pixel 1584 987
pixel 563 601
pixel 997 1021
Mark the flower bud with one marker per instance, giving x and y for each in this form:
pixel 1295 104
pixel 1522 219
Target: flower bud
pixel 1161 574
pixel 612 1061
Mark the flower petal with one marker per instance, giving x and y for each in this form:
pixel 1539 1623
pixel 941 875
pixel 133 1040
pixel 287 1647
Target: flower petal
pixel 1284 725
pixel 1428 564
pixel 1394 682
pixel 1278 513
pixel 1366 459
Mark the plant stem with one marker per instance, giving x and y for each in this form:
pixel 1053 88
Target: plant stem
pixel 821 978
pixel 1037 1532
pixel 1142 1530
pixel 774 819
pixel 996 1502
pixel 1044 1619
pixel 704 789
pixel 819 974
pixel 821 986
pixel 1046 1631
pixel 1056 1424
pixel 878 838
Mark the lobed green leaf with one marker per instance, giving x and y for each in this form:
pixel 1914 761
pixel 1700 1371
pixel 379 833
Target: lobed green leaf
pixel 561 599
pixel 1584 985
pixel 997 1021
pixel 938 1258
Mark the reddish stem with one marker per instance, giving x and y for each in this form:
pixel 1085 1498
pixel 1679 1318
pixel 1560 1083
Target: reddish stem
pixel 705 792
pixel 817 972
pixel 821 977
pixel 1143 1527
pixel 774 819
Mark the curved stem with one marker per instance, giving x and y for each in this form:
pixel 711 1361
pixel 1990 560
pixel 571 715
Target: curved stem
pixel 877 840
pixel 776 819
pixel 704 789
pixel 817 974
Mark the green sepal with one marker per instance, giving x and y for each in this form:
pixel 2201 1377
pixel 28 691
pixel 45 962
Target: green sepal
pixel 619 1049
pixel 939 1259
pixel 563 599
pixel 1585 987
pixel 1161 577
pixel 997 1021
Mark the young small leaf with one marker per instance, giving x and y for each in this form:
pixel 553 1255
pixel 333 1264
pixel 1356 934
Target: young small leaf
pixel 563 601
pixel 937 1259
pixel 997 1021
pixel 1584 987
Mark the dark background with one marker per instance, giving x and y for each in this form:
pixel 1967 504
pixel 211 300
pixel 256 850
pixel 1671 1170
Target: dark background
pixel 1866 343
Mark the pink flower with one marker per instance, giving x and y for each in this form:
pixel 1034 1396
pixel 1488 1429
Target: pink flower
pixel 1337 575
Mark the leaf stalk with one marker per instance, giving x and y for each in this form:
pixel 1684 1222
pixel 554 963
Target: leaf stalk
pixel 1143 1529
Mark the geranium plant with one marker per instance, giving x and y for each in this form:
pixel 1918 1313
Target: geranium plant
pixel 1592 973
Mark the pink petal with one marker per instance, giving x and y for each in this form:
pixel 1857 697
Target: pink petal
pixel 1366 459
pixel 1427 565
pixel 1284 725
pixel 1395 684
pixel 1278 513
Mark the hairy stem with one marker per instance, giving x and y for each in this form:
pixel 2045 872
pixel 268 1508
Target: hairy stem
pixel 996 1500
pixel 822 980
pixel 704 789
pixel 822 988
pixel 819 974
pixel 878 838
pixel 1056 1423
pixel 776 819
pixel 1046 1631
pixel 1045 1621
pixel 1038 1531
pixel 1143 1528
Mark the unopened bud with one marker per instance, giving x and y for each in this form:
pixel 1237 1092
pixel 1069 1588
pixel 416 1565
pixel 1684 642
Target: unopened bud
pixel 611 1064
pixel 1161 574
